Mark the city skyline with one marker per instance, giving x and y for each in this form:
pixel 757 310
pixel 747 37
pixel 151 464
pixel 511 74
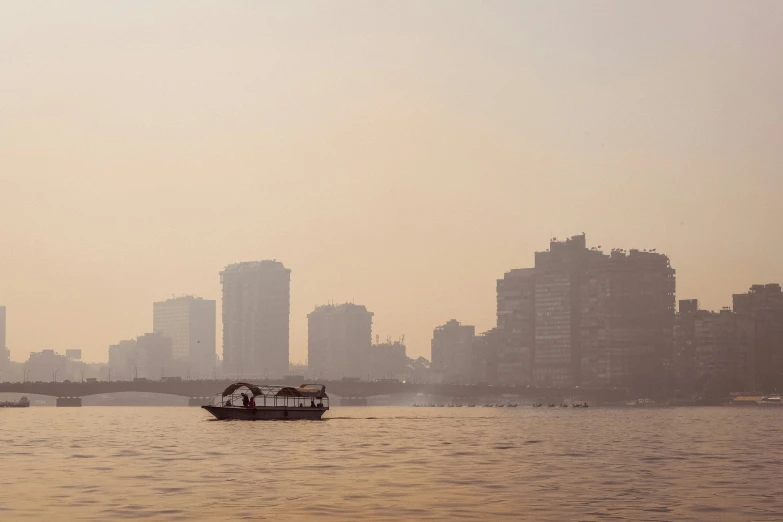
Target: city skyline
pixel 381 166
pixel 299 356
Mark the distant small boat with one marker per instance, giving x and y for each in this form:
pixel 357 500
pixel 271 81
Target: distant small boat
pixel 21 403
pixel 771 400
pixel 537 405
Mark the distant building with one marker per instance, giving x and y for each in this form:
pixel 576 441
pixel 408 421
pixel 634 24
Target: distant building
pixel 256 309
pixel 627 321
pixel 153 355
pixel 760 325
pixel 73 354
pixel 585 317
pixel 46 365
pixel 387 360
pixel 484 365
pixel 516 319
pixel 706 346
pixel 452 351
pixel 148 356
pixel 190 322
pixel 759 297
pixel 338 341
pixel 123 364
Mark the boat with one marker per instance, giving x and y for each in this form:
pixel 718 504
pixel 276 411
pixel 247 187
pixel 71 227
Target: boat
pixel 308 401
pixel 537 405
pixel 770 400
pixel 21 403
pixel 745 400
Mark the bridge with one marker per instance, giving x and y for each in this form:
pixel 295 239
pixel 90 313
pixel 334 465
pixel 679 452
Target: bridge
pixel 68 391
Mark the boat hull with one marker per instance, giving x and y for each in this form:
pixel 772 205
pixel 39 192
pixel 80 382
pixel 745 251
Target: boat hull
pixel 265 413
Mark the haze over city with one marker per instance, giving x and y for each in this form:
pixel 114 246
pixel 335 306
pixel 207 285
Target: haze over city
pixel 399 155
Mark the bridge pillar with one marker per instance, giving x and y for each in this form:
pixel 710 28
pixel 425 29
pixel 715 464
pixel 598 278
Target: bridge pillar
pixel 69 402
pixel 197 401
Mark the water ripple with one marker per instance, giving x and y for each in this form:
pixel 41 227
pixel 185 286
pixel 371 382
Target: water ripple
pixel 392 464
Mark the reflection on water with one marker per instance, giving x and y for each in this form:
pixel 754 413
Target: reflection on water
pixel 393 464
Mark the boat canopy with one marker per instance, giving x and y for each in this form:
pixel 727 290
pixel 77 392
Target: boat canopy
pixel 305 390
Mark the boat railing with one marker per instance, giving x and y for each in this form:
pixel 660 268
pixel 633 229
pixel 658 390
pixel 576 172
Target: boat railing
pixel 284 401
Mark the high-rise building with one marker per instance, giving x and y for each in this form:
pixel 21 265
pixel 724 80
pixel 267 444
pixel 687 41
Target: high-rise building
pixel 387 360
pixel 627 322
pixel 708 348
pixel 559 275
pixel 516 324
pixel 256 309
pixel 760 325
pixel 190 322
pixel 585 317
pixel 339 338
pixel 452 351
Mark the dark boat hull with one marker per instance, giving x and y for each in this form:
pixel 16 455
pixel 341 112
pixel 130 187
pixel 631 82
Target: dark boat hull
pixel 265 413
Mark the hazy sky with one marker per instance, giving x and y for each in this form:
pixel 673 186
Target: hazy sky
pixel 402 155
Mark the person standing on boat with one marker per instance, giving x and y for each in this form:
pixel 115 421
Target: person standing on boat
pixel 253 402
pixel 245 400
pixel 312 403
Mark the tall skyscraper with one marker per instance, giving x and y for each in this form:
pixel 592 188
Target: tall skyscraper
pixel 586 317
pixel 256 310
pixel 190 322
pixel 339 338
pixel 452 351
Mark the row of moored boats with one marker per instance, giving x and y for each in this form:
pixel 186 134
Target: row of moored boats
pixel 510 405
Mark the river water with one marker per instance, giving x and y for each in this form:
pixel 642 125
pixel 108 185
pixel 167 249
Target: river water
pixel 387 463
